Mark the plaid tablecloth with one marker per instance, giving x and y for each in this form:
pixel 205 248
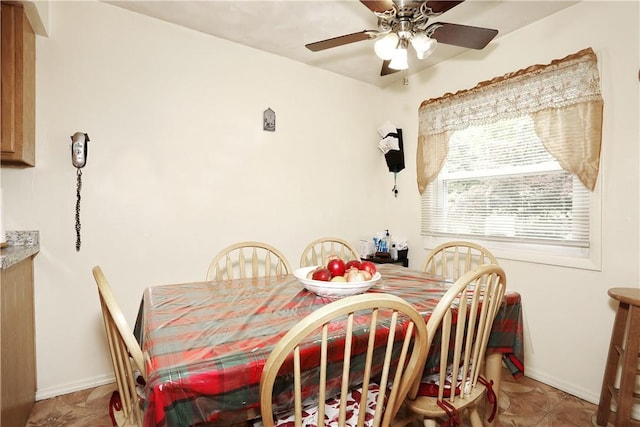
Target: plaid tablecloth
pixel 207 342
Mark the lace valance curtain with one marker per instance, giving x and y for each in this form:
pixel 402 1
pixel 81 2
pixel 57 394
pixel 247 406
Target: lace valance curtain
pixel 562 97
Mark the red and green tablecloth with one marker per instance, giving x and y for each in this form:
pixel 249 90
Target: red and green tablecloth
pixel 207 342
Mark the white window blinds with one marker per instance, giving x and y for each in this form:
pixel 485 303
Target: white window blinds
pixel 499 182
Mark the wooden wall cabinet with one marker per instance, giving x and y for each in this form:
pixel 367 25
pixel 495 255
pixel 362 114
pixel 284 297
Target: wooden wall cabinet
pixel 17 91
pixel 17 349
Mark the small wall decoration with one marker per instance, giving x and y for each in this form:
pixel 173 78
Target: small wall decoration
pixel 269 120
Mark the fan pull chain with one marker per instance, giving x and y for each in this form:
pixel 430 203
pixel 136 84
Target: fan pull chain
pixel 78 188
pixel 395 186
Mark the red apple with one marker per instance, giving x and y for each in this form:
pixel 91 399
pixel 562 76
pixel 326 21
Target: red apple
pixel 321 274
pixel 353 263
pixel 368 266
pixel 336 266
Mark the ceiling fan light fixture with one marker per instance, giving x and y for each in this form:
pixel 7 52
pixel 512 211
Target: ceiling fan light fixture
pixel 423 44
pixel 404 22
pixel 399 60
pixel 386 46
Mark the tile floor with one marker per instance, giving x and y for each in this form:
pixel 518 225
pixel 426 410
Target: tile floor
pixel 523 403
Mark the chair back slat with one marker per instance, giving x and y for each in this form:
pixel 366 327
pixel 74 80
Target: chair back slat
pixel 453 259
pixel 248 259
pixel 474 300
pixel 396 341
pixel 317 252
pixel 464 317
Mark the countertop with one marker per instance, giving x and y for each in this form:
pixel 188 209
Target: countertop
pixel 20 246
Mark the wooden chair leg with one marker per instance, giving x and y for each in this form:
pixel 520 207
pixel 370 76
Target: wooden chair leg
pixel 474 417
pixel 617 336
pixel 629 368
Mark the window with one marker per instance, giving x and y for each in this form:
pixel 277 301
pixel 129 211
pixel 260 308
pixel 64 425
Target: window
pixel 514 181
pixel 499 182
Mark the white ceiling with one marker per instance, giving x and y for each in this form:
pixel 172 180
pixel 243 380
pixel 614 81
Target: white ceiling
pixel 283 27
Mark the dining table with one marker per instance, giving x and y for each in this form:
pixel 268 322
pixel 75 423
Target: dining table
pixel 206 343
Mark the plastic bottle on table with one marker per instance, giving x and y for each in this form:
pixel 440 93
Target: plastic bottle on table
pixel 394 251
pixel 387 242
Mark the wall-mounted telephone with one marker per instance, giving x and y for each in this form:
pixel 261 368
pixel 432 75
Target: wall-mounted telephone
pixel 79 148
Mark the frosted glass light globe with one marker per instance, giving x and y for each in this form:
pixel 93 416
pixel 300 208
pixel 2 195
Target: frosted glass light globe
pixel 386 46
pixel 423 45
pixel 399 60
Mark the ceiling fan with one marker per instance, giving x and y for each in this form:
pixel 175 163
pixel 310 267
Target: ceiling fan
pixel 403 22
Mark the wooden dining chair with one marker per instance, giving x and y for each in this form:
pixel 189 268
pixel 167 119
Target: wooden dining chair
pixel 248 259
pixel 453 259
pixel 316 252
pixel 126 357
pixel 382 340
pixel 467 311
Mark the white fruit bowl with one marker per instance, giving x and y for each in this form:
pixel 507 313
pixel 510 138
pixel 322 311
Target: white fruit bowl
pixel 333 289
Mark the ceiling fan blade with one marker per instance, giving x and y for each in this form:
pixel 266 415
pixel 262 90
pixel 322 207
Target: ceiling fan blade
pixel 439 7
pixel 380 5
pixel 385 68
pixel 462 35
pixel 341 40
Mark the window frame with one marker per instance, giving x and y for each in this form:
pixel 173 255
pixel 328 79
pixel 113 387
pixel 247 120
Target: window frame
pixel 559 255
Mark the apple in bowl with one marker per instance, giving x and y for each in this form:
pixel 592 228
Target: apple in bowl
pixel 337 278
pixel 336 268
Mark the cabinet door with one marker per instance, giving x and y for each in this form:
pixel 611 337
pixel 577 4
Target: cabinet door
pixel 17 338
pixel 17 89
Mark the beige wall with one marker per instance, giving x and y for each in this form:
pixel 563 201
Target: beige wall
pixel 179 167
pixel 567 311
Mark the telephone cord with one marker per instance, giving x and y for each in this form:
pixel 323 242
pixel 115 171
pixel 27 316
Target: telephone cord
pixel 78 188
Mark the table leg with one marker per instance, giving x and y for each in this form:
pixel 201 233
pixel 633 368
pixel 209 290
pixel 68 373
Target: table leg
pixel 493 371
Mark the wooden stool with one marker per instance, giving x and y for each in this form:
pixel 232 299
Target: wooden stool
pixel 624 351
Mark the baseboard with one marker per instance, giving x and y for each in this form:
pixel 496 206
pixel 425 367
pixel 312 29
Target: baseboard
pixel 580 392
pixel 49 392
